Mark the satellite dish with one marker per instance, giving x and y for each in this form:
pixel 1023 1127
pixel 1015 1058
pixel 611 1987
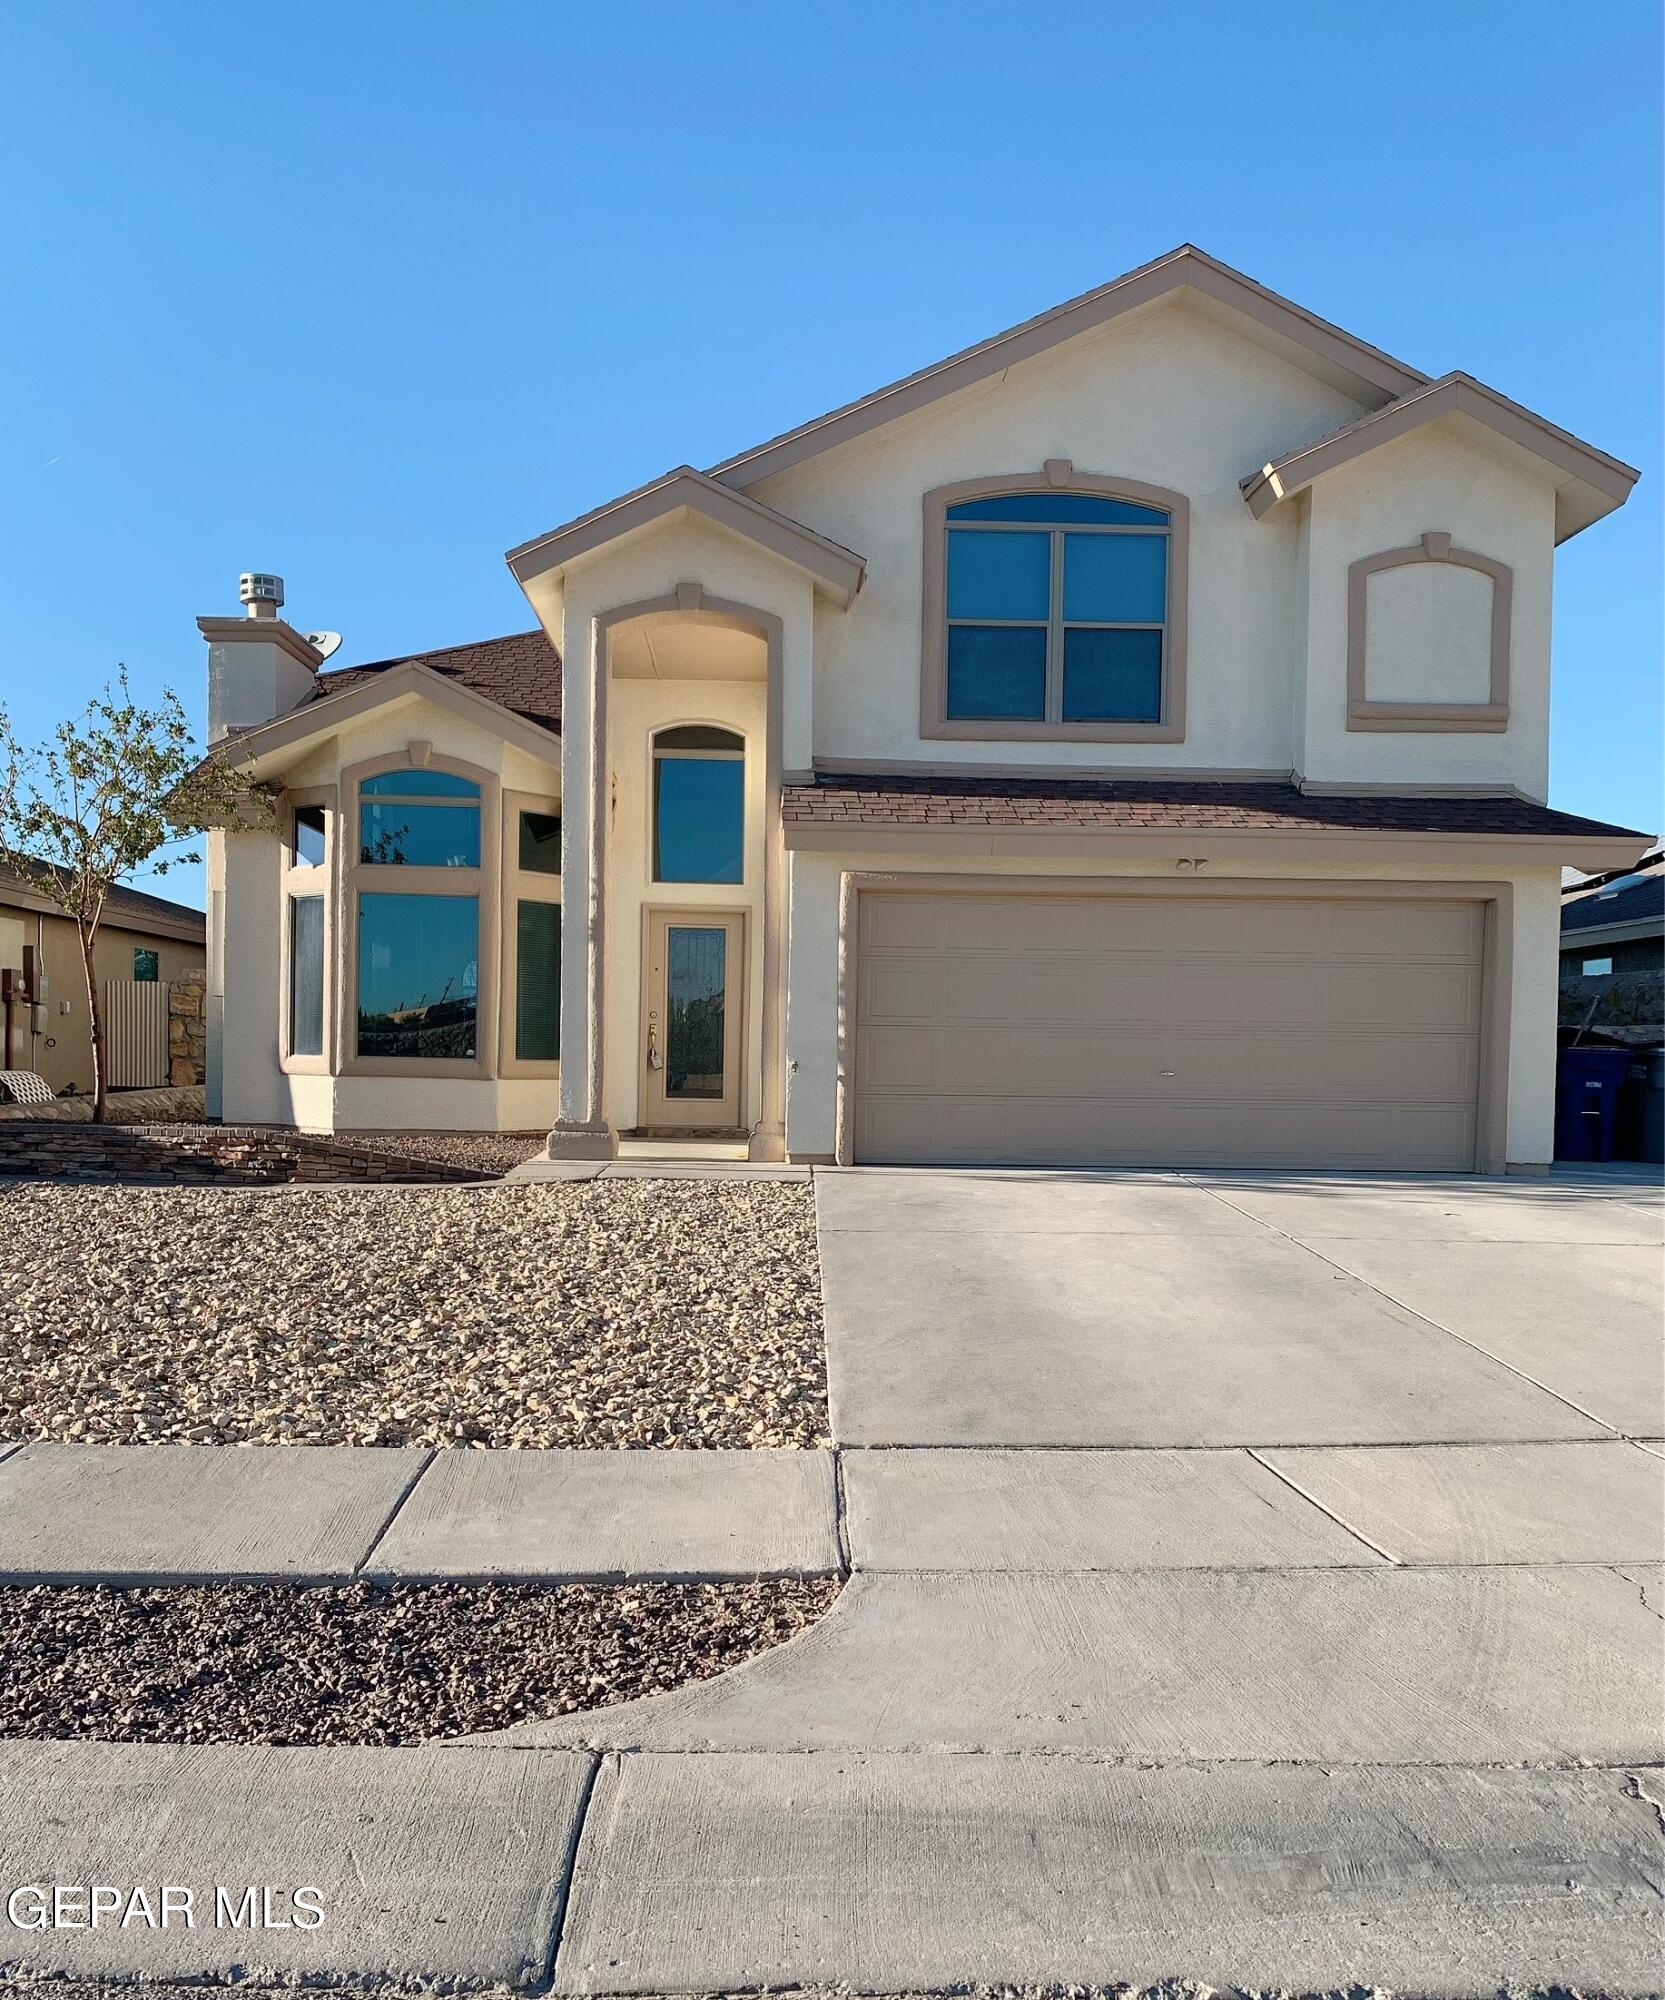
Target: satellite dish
pixel 324 643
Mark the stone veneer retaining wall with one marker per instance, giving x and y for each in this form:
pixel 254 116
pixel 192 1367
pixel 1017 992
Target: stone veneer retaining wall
pixel 231 1155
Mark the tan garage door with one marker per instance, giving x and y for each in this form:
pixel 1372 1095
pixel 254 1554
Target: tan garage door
pixel 1233 1030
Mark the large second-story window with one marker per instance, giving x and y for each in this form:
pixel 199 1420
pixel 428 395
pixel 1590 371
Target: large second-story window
pixel 1057 607
pixel 699 805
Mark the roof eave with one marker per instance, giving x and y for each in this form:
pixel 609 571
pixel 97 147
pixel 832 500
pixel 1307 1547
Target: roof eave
pixel 316 720
pixel 836 572
pixel 1589 483
pixel 1293 843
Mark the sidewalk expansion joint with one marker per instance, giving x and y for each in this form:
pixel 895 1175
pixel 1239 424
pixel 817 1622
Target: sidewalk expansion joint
pixel 1312 1500
pixel 569 1877
pixel 394 1511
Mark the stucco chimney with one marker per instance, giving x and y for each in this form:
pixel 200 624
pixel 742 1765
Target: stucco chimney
pixel 259 666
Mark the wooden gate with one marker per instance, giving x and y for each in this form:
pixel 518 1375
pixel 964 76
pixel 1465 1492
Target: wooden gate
pixel 136 1032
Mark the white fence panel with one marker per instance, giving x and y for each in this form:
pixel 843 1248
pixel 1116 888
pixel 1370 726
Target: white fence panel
pixel 136 1027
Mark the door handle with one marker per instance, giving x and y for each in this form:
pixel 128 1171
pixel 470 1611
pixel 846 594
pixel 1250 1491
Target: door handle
pixel 653 1057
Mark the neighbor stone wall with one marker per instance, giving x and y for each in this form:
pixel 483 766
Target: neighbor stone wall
pixel 188 1027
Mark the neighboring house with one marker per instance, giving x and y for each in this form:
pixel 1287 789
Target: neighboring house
pixel 1125 741
pixel 143 940
pixel 1613 956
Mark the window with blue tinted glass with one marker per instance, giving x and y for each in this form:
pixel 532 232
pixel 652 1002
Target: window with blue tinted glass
pixel 419 819
pixel 415 784
pixel 1056 609
pixel 1115 579
pixel 997 671
pixel 1060 507
pixel 418 976
pixel 1112 674
pixel 699 806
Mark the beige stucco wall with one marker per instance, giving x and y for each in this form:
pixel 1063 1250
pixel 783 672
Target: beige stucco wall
pixel 813 991
pixel 1432 479
pixel 1177 399
pixel 248 1083
pixel 63 1054
pixel 1171 398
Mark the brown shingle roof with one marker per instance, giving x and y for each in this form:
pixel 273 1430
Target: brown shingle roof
pixel 522 672
pixel 1136 803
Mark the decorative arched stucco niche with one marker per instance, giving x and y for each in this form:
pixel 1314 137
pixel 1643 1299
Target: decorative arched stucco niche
pixel 1396 649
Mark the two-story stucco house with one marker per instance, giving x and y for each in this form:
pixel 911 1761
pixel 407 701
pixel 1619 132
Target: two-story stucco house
pixel 1125 741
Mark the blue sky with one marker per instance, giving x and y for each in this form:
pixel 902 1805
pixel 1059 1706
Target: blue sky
pixel 368 293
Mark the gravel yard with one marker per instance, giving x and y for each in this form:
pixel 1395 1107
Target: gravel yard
pixel 608 1314
pixel 240 1663
pixel 493 1152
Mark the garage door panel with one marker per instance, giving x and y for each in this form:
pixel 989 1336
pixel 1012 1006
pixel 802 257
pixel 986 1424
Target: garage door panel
pixel 899 1058
pixel 1404 996
pixel 901 923
pixel 1201 1030
pixel 894 989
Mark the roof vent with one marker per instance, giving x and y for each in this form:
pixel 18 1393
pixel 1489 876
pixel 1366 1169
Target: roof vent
pixel 262 594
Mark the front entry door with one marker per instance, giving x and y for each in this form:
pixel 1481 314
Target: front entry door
pixel 692 1008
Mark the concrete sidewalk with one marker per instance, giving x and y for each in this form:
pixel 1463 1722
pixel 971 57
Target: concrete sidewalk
pixel 160 1514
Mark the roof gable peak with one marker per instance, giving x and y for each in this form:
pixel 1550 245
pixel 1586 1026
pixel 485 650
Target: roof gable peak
pixel 1336 356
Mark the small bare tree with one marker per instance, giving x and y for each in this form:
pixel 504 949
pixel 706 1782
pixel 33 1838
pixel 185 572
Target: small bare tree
pixel 106 793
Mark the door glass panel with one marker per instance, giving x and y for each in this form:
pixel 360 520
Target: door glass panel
pixel 696 988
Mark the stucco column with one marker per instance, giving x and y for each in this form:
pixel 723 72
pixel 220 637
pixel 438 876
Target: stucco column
pixel 582 1132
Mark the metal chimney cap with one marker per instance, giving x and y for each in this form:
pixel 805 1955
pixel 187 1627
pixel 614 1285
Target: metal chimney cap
pixel 257 587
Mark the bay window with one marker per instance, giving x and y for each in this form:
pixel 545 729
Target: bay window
pixel 422 898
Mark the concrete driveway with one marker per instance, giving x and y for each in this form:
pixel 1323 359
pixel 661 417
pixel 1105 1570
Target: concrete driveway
pixel 1254 1579
pixel 1033 1308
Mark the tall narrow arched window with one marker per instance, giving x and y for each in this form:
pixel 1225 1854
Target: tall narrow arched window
pixel 699 804
pixel 1053 611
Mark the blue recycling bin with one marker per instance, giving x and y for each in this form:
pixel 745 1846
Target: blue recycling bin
pixel 1587 1087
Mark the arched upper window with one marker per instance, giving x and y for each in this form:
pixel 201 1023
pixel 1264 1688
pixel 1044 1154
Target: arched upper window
pixel 699 804
pixel 1052 610
pixel 419 819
